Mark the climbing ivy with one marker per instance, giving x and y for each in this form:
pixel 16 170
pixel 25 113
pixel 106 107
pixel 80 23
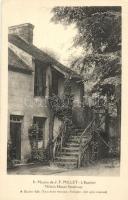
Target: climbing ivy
pixel 36 153
pixel 61 106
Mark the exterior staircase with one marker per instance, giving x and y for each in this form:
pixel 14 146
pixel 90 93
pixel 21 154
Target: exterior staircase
pixel 68 157
pixel 79 146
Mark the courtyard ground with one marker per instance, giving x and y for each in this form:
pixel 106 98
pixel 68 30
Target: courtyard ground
pixel 109 167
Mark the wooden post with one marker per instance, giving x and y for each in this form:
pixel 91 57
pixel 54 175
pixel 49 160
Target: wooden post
pixel 107 121
pixel 51 124
pixel 79 159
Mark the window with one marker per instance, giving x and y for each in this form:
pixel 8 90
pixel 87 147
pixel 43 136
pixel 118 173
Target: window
pixel 16 118
pixel 54 83
pixel 40 79
pixel 40 121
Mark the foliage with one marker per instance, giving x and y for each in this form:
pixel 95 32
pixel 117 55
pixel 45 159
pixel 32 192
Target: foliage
pixel 98 26
pixel 9 155
pixel 114 147
pixel 98 66
pixel 36 154
pixel 62 106
pixel 11 162
pixel 99 33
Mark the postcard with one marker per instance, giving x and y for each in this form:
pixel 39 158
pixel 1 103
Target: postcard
pixel 64 100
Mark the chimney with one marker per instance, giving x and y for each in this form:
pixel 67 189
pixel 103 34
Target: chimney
pixel 24 31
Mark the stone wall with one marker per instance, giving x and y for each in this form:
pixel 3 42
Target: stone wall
pixel 21 101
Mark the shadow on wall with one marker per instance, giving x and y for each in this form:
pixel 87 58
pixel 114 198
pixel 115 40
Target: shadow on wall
pixel 82 116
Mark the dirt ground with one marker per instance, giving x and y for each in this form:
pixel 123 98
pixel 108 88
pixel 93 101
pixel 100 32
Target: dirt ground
pixel 109 167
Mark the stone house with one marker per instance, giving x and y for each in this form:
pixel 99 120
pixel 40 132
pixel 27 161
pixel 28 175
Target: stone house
pixel 33 76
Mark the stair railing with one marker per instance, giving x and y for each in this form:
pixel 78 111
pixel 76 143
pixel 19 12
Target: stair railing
pixel 84 144
pixel 58 141
pixel 89 132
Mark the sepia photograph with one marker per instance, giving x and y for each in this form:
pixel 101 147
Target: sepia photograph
pixel 64 91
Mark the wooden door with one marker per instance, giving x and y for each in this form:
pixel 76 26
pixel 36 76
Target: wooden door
pixel 15 133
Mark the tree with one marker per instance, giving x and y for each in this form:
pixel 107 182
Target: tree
pixel 99 33
pixel 97 26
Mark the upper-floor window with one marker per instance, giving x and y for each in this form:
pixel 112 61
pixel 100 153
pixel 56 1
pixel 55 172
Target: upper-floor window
pixel 54 83
pixel 40 79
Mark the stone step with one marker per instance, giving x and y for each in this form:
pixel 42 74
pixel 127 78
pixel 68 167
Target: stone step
pixel 70 154
pixel 78 129
pixel 74 137
pixel 77 138
pixel 70 149
pixel 67 165
pixel 76 133
pixel 66 158
pixel 72 144
pixel 79 135
pixel 74 140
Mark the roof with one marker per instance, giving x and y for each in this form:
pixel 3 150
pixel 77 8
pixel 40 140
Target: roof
pixel 22 25
pixel 40 55
pixel 16 63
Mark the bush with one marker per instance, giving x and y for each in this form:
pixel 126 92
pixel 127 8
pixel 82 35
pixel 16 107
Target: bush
pixel 10 162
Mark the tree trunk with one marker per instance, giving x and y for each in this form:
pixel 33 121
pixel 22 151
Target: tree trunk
pixel 51 124
pixel 106 136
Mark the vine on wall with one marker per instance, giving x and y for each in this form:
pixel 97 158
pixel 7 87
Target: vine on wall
pixel 37 154
pixel 62 106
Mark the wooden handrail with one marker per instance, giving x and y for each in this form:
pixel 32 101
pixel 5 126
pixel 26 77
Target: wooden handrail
pixel 104 141
pixel 59 134
pixel 81 152
pixel 87 128
pixel 56 139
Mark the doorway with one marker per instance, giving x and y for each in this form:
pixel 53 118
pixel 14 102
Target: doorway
pixel 15 135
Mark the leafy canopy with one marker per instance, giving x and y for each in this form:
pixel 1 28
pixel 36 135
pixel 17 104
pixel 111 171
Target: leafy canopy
pixel 97 26
pixel 99 33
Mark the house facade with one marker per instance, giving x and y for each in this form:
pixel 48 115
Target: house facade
pixel 33 76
